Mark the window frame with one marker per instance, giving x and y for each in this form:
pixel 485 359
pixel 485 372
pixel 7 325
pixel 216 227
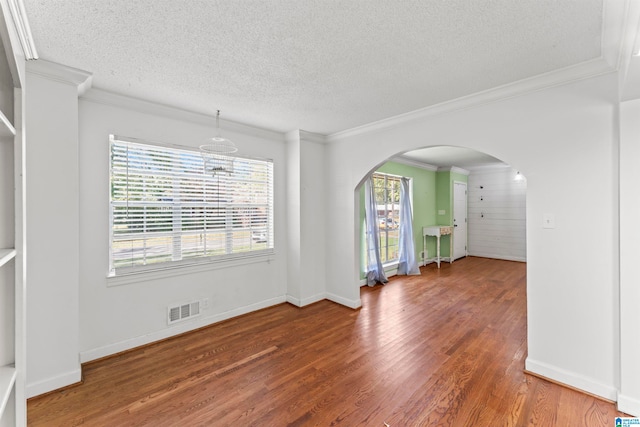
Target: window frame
pixel 384 233
pixel 181 258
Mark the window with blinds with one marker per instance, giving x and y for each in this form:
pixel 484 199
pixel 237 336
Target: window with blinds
pixel 165 211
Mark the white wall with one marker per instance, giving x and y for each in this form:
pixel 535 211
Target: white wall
pixel 496 214
pixel 629 396
pixel 77 313
pixel 119 314
pixel 52 207
pixel 563 140
pixel 305 218
pixel 314 227
pixel 294 283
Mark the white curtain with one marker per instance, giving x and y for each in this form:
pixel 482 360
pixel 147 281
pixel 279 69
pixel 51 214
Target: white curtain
pixel 407 263
pixel 375 271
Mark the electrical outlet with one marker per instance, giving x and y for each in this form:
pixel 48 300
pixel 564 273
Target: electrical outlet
pixel 442 212
pixel 204 303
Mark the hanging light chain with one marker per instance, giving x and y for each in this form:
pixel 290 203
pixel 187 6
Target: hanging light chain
pixel 218 123
pixel 216 153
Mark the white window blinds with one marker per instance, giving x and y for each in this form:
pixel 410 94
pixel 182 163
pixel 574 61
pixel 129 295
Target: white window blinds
pixel 165 211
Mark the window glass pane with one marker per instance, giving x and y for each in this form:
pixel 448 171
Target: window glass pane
pixel 387 193
pixel 165 208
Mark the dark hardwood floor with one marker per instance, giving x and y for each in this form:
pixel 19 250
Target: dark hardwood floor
pixel 445 348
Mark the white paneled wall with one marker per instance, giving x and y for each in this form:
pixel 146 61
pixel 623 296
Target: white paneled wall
pixel 497 214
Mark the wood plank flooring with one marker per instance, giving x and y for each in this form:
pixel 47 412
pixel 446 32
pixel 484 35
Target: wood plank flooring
pixel 444 348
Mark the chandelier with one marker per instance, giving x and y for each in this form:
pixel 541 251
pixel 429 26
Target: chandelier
pixel 216 154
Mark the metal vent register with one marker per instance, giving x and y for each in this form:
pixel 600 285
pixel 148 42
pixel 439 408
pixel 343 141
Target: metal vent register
pixel 183 312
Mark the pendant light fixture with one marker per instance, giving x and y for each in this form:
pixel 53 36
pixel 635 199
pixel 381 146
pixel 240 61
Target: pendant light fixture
pixel 216 154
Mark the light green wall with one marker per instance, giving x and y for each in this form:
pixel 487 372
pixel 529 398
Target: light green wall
pixel 424 197
pixel 432 192
pixel 443 198
pixel 444 189
pixel 424 202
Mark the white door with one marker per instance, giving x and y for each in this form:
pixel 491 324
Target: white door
pixel 459 220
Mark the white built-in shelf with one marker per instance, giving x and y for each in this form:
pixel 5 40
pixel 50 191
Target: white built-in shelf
pixel 6 127
pixel 6 255
pixel 7 379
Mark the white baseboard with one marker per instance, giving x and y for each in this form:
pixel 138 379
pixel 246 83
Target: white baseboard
pixel 294 301
pixel 571 379
pixel 629 405
pixel 498 256
pixel 313 298
pixel 108 350
pixel 128 344
pixel 343 301
pixel 199 322
pixel 54 383
pixel 305 301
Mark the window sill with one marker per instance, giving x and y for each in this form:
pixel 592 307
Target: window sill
pixel 185 269
pixel 390 266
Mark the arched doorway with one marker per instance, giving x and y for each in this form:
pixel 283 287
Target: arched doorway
pixel 489 222
pixel 563 141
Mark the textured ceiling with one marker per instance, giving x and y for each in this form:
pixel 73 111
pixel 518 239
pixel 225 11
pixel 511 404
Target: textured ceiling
pixel 319 65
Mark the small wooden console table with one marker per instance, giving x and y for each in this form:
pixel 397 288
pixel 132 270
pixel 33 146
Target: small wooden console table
pixel 436 231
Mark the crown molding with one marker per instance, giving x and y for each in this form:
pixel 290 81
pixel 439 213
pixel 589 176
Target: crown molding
pixel 292 136
pixel 312 137
pixel 454 169
pixel 584 70
pixel 100 96
pixel 630 42
pixel 61 74
pixel 299 135
pixel 491 168
pixel 619 23
pixel 412 162
pixel 23 30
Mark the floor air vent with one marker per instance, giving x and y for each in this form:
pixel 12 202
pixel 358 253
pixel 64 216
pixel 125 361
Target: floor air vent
pixel 183 312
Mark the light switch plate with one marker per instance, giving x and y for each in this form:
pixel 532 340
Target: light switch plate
pixel 548 221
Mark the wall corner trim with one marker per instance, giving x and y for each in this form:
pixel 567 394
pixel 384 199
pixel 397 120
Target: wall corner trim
pixel 628 405
pixel 292 136
pixel 62 74
pixel 571 379
pixel 357 303
pixel 23 29
pixel 312 137
pixel 54 383
pixel 293 300
pixel 313 299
